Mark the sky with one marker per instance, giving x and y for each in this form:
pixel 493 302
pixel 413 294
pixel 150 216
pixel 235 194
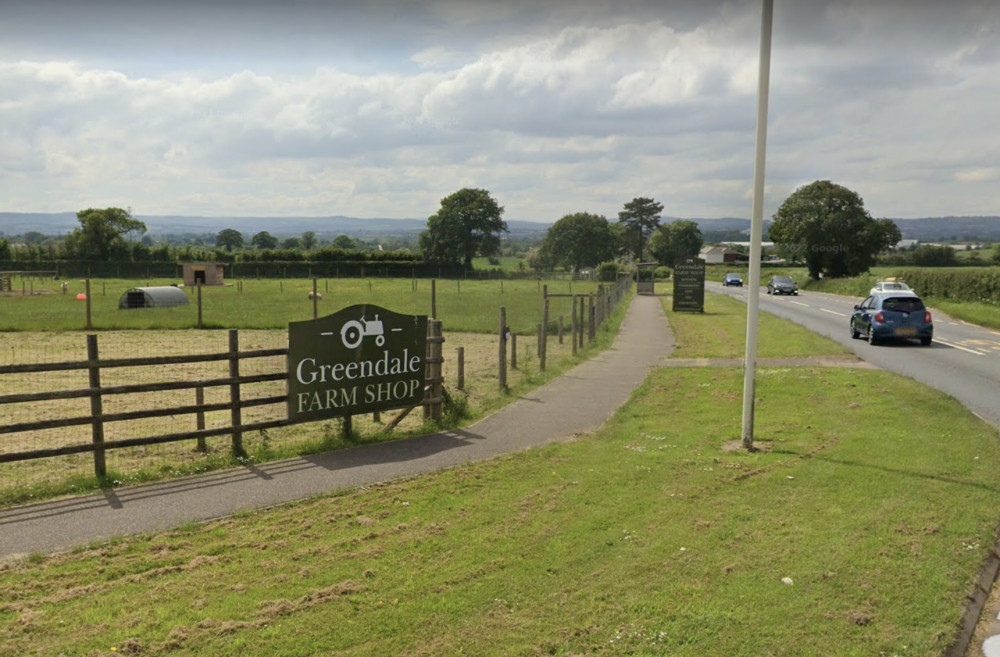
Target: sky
pixel 381 108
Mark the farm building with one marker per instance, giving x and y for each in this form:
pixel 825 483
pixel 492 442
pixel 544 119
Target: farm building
pixel 152 297
pixel 203 273
pixel 714 255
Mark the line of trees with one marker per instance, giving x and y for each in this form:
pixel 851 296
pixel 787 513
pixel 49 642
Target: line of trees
pixel 822 224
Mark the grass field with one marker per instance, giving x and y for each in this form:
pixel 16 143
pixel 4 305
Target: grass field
pixel 462 305
pixel 845 534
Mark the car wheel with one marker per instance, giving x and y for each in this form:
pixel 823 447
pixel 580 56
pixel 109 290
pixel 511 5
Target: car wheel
pixel 855 334
pixel 871 336
pixel 769 290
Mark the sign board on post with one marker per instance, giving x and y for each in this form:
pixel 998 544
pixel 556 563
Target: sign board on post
pixel 689 286
pixel 361 359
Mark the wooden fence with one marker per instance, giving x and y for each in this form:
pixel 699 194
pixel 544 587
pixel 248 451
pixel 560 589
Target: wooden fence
pixel 232 402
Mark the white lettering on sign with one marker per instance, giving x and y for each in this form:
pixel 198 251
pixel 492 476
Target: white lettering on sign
pixel 335 398
pixel 309 372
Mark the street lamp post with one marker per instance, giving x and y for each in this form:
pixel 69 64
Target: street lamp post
pixel 756 226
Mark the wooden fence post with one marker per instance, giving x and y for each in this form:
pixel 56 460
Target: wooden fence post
pixel 573 327
pixel 502 360
pixel 545 334
pixel 461 368
pixel 434 303
pixel 236 411
pixel 96 404
pixel 199 400
pixel 591 315
pixel 87 292
pixel 315 296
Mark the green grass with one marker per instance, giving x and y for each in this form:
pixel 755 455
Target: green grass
pixel 720 332
pixel 463 305
pixel 651 537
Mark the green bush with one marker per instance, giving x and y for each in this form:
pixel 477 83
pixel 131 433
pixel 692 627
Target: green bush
pixel 607 272
pixel 958 283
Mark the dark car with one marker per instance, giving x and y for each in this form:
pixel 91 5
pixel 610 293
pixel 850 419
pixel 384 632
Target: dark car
pixel 732 278
pixel 888 316
pixel 782 285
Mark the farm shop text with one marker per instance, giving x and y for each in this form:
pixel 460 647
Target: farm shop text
pixel 399 378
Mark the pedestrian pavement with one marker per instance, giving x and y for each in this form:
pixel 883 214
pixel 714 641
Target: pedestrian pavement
pixel 575 403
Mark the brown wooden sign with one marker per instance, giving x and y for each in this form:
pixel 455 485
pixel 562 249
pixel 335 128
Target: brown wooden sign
pixel 361 359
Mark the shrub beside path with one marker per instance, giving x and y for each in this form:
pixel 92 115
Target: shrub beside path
pixel 575 403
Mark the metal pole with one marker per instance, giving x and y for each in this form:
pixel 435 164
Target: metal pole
pixel 756 225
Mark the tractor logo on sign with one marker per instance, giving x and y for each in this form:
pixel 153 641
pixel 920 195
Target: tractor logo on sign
pixel 355 330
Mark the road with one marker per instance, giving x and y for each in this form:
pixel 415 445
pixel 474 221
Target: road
pixel 963 361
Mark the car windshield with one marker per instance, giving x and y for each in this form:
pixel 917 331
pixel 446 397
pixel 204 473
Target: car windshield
pixel 903 304
pixel 783 279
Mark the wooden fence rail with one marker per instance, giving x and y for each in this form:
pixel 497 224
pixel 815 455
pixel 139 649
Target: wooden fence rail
pixel 232 385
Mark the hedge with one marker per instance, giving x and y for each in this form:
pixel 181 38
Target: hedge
pixel 980 284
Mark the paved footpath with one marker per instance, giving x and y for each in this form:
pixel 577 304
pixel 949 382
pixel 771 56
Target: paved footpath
pixel 577 402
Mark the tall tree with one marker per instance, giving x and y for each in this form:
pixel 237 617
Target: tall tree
pixel 675 242
pixel 309 240
pixel 828 226
pixel 468 224
pixel 103 234
pixel 578 240
pixel 264 240
pixel 229 239
pixel 640 217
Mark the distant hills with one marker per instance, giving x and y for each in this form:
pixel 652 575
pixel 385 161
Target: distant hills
pixel 58 223
pixel 17 223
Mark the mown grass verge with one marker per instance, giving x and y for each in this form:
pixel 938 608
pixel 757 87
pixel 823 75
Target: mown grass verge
pixel 858 529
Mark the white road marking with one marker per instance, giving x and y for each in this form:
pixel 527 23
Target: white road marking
pixel 798 303
pixel 958 346
pixel 833 312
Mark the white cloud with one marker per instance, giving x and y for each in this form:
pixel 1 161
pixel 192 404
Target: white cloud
pixel 553 108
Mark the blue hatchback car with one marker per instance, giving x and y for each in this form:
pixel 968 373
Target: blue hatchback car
pixel 892 316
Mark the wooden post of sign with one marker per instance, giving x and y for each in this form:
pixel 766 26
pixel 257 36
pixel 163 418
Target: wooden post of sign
pixel 96 404
pixel 433 381
pixel 461 368
pixel 560 330
pixel 502 359
pixel 235 407
pixel 538 341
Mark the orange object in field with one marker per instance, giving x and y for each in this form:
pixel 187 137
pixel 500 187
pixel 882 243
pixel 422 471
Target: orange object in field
pixel 81 296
